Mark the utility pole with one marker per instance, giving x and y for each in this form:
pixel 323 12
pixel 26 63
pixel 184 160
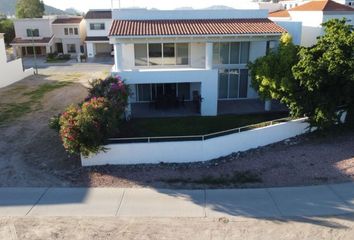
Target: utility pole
pixel 34 53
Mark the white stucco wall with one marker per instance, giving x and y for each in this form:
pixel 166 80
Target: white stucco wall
pixel 293 28
pixel 193 151
pixel 98 33
pixel 12 71
pixel 44 26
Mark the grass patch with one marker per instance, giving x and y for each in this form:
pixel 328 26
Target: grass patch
pixel 11 111
pixel 43 89
pixel 236 178
pixel 183 126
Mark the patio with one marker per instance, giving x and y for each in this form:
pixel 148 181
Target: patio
pixel 237 107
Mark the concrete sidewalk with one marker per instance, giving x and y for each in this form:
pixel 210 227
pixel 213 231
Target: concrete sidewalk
pixel 232 203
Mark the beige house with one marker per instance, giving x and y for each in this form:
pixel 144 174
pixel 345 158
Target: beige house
pixel 70 34
pixel 33 35
pixel 62 34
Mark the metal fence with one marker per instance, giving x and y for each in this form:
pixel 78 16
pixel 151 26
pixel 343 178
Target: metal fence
pixel 196 137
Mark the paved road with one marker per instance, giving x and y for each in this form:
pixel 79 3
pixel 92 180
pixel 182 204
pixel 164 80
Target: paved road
pixel 256 203
pixel 93 65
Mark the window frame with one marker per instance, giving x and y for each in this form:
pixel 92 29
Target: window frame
pixel 34 32
pixel 93 26
pixel 162 55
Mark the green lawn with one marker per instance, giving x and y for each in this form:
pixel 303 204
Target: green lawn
pixel 183 126
pixel 31 101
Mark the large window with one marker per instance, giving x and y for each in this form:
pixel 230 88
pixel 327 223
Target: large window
pixel 141 54
pixel 32 33
pixel 97 26
pixel 149 92
pixel 230 53
pixel 153 54
pixel 233 83
pixel 71 31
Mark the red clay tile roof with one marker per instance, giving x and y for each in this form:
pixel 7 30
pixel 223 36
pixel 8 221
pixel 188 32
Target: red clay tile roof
pixel 323 5
pixel 194 27
pixel 67 21
pixel 99 14
pixel 280 13
pixel 29 41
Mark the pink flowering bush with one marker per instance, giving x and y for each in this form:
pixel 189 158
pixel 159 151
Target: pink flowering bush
pixel 85 128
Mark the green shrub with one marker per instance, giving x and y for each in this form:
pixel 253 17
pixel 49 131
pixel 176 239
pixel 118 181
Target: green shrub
pixel 85 128
pixel 51 56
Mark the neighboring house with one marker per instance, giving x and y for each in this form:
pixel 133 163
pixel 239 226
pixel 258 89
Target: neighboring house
pixel 184 53
pixel 12 71
pixel 62 34
pixel 70 34
pixel 98 23
pixel 33 32
pixel 312 14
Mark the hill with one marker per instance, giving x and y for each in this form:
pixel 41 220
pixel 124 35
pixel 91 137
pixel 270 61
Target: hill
pixel 8 7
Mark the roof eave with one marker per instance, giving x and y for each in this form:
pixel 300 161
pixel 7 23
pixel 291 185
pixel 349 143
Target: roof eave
pixel 199 36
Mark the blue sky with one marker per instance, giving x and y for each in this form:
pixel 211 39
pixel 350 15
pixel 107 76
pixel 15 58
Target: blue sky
pixel 84 5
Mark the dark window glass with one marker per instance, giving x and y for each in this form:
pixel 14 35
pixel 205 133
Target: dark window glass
pixel 76 31
pixel 140 51
pixel 243 83
pixel 169 57
pixel 184 91
pixel 155 54
pixel 223 83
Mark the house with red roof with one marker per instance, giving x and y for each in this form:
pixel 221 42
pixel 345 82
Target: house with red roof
pixel 61 34
pixel 200 56
pixel 311 15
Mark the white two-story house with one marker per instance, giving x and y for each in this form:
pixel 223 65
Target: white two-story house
pixel 98 23
pixel 70 34
pixel 31 33
pixel 184 53
pixel 61 34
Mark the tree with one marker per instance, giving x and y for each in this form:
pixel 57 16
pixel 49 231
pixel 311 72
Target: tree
pixel 29 9
pixel 7 27
pixel 272 76
pixel 325 72
pixel 315 81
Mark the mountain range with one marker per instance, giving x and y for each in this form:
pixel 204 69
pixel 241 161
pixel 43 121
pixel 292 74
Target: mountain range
pixel 8 7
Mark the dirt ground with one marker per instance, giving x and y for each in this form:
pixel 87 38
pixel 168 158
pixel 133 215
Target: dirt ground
pixel 31 154
pixel 175 228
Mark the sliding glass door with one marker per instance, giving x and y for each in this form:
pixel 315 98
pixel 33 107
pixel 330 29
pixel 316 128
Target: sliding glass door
pixel 233 83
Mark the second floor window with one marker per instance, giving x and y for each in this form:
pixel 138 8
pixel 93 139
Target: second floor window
pixel 154 54
pixel 71 31
pixel 97 26
pixel 32 33
pixel 230 53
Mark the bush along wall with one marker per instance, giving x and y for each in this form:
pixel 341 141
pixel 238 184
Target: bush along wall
pixel 84 128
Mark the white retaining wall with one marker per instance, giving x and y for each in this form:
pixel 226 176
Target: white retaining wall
pixel 193 151
pixel 12 71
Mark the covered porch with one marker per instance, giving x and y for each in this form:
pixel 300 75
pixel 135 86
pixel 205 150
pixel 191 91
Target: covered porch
pixel 27 47
pixel 225 107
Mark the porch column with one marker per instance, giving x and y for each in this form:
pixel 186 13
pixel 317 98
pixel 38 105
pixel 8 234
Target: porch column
pixel 14 51
pixel 267 105
pixel 118 56
pixel 209 93
pixel 47 49
pixel 208 55
pixel 91 51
